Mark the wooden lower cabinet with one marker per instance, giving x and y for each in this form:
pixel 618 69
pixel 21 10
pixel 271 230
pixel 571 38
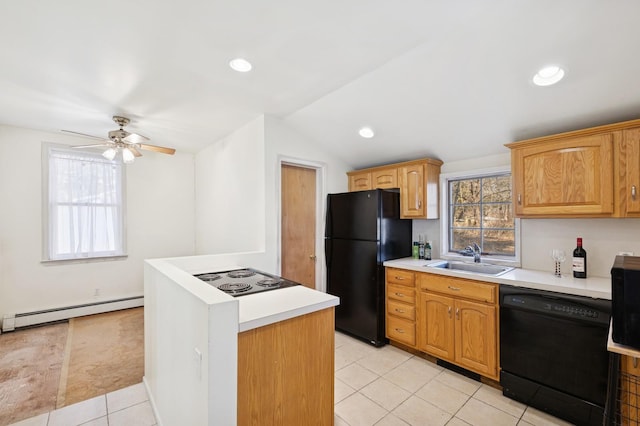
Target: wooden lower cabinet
pixel 286 372
pixel 401 306
pixel 457 329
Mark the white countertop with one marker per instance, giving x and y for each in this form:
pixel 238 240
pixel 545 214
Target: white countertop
pixel 595 287
pixel 268 307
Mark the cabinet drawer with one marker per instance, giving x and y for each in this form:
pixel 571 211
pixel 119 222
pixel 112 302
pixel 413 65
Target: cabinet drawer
pixel 401 330
pixel 401 310
pixel 475 290
pixel 399 276
pixel 401 293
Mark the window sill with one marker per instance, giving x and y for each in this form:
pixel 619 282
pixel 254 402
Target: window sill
pixel 84 260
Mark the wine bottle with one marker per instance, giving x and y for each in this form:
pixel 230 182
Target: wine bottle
pixel 579 261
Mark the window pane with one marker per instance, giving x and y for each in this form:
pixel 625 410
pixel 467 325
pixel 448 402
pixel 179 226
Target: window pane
pixel 466 216
pixel 499 242
pixel 497 216
pixel 461 238
pixel 465 191
pixel 496 189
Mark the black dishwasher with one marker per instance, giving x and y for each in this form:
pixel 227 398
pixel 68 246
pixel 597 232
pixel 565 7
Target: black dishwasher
pixel 553 352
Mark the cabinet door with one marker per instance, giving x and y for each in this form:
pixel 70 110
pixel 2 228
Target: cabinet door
pixel 565 177
pixel 412 201
pixel 436 326
pixel 360 181
pixel 384 179
pixel 630 159
pixel 476 337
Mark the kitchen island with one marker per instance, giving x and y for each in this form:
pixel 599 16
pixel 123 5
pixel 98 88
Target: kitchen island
pixel 215 359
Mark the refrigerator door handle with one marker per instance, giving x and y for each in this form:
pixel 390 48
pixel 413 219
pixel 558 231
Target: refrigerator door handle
pixel 327 253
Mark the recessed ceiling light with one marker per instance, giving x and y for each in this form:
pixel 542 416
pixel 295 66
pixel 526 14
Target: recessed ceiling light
pixel 240 65
pixel 366 132
pixel 548 76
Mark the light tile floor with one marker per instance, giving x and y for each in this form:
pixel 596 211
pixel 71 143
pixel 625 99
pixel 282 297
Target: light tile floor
pixel 373 386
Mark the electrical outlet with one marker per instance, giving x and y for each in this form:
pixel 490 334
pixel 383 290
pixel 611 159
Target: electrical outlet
pixel 625 253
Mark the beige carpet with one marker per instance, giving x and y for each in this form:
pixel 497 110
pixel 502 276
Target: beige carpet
pixel 30 365
pixel 48 367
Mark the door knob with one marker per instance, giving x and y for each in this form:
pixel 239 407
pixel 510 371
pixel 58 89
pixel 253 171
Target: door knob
pixel 312 256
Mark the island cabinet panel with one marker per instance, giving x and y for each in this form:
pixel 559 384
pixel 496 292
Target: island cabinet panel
pixel 457 322
pixel 286 372
pixel 573 176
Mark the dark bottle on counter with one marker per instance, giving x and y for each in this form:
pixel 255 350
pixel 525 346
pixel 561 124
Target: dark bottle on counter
pixel 579 261
pixel 427 250
pixel 421 249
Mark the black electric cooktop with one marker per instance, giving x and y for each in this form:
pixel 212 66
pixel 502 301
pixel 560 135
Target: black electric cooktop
pixel 240 282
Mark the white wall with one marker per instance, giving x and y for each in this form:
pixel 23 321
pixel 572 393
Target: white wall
pixel 241 175
pixel 230 191
pixel 602 238
pixel 160 212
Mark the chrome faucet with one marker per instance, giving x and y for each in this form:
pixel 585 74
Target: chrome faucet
pixel 475 251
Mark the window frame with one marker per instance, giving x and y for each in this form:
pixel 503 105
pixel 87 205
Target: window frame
pixel 445 178
pixel 47 147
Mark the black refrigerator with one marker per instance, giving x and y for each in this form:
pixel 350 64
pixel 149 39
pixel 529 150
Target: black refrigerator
pixel 363 230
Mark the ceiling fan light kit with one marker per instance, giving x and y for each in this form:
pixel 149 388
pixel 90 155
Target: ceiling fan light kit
pixel 123 141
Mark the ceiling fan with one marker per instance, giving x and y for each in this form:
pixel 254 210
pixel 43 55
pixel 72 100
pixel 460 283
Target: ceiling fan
pixel 123 141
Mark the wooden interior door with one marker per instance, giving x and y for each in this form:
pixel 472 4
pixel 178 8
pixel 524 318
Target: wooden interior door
pixel 298 239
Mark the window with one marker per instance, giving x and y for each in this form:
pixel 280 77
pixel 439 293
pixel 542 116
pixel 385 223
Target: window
pixel 85 205
pixel 479 210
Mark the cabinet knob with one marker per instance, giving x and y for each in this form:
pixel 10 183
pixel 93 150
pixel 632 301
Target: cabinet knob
pixel 453 288
pixel 399 278
pixel 400 311
pixel 419 204
pixel 449 311
pixel 633 192
pixel 399 330
pixel 519 199
pixel 399 294
pixel 458 313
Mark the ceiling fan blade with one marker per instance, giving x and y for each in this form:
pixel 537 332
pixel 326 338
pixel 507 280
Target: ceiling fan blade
pixel 83 134
pixel 135 138
pixel 91 146
pixel 135 151
pixel 161 149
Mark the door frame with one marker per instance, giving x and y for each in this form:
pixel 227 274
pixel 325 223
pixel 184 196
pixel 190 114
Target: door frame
pixel 320 169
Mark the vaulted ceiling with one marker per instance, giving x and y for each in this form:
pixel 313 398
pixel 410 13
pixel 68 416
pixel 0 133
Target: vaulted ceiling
pixel 447 79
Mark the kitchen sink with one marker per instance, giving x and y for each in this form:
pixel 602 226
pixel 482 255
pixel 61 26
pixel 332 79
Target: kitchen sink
pixel 474 268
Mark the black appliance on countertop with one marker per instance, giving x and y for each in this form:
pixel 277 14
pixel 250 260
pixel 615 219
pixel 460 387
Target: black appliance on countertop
pixel 553 352
pixel 625 298
pixel 363 229
pixel 240 282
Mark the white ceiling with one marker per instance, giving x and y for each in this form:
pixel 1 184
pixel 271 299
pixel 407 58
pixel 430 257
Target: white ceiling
pixel 446 79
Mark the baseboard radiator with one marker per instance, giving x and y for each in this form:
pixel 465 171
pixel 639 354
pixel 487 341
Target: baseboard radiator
pixel 12 322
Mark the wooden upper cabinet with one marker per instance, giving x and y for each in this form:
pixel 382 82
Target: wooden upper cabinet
pixel 417 180
pixel 569 177
pixel 360 181
pixel 592 172
pixel 412 203
pixel 384 178
pixel 629 173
